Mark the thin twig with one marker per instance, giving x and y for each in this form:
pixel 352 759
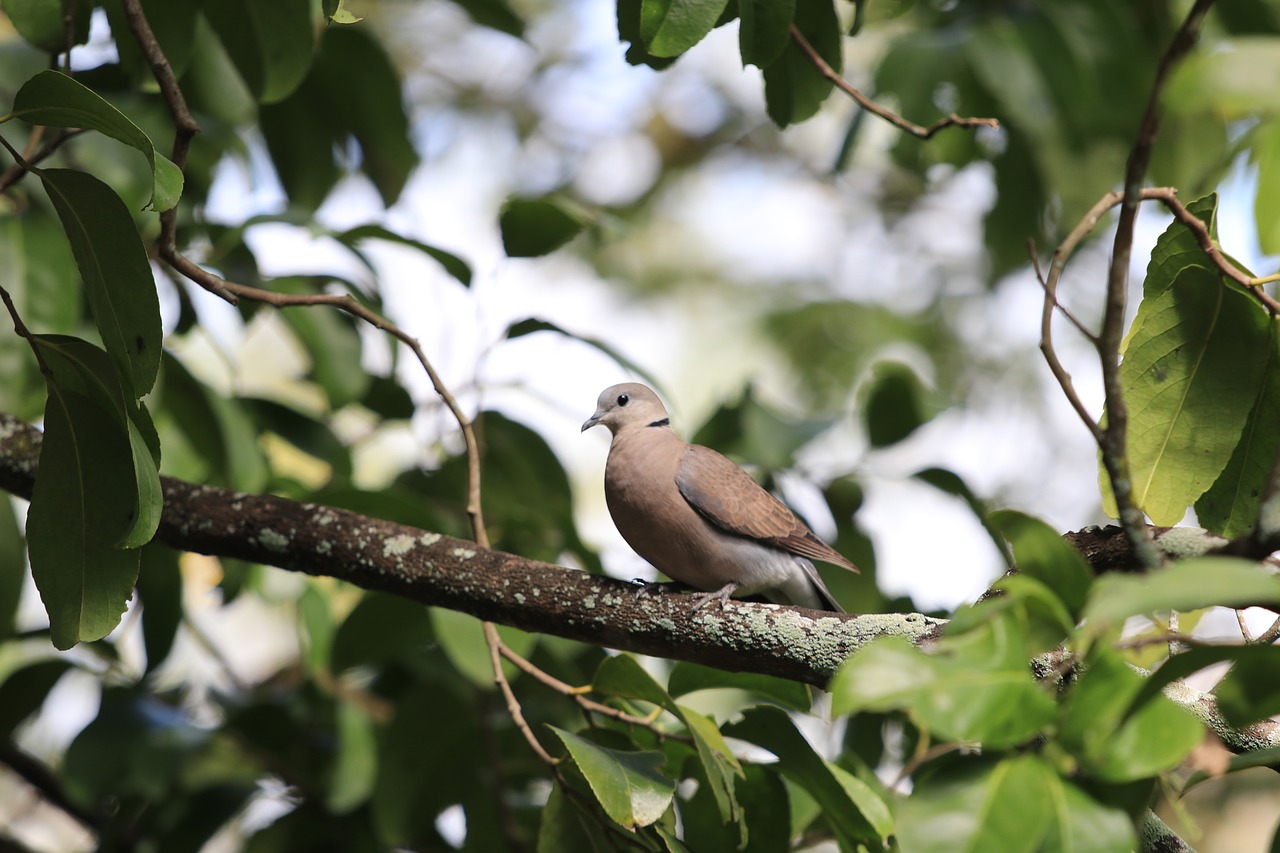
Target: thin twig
pixel 1050 287
pixel 23 331
pixel 1270 635
pixel 871 106
pixel 1115 436
pixel 513 704
pixel 1244 626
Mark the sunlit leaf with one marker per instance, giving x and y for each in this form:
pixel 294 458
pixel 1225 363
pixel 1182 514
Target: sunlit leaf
pixel 629 785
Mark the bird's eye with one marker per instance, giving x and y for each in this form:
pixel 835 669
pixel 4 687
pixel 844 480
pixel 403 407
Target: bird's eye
pixel 623 399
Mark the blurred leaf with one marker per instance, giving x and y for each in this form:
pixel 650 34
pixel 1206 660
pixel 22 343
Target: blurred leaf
pixel 1043 621
pixel 758 433
pixel 42 24
pixel 537 226
pixel 629 785
pixel 765 815
pixel 496 14
pixel 622 675
pixel 629 31
pixel 336 11
pixel 452 264
pixel 670 27
pixel 13 551
pixel 1014 804
pixel 1265 155
pixel 973 687
pixel 1182 586
pixel 793 87
pixel 270 43
pixel 388 399
pixel 117 276
pixel 1230 80
pixel 763 33
pixel 1041 553
pixel 462 638
pixel 381 629
pixel 565 829
pixel 172 24
pixel 53 99
pixel 689 677
pixel 355 769
pixel 331 341
pixel 1250 691
pixel 1151 739
pixel 533 324
pixel 24 690
pixel 894 406
pixel 160 590
pixel 1192 660
pixel 304 432
pixel 772 729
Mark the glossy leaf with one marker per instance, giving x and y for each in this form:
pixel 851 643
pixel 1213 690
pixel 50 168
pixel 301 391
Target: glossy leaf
pixel 629 785
pixel 116 274
pixel 537 226
pixel 452 264
pixel 689 677
pixel 42 24
pixel 55 100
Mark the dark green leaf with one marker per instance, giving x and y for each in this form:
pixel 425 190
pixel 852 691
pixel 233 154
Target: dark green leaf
pixel 537 226
pixel 160 589
pixel 1250 691
pixel 382 628
pixel 331 342
pixel 304 432
pixel 765 30
pixel 462 638
pixel 24 690
pixel 387 398
pixel 452 264
pixel 496 14
pixel 853 819
pixel 629 785
pixel 117 276
pixel 758 433
pixel 622 675
pixel 670 27
pixel 270 43
pixel 355 768
pixel 564 828
pixel 793 87
pixel 12 557
pixel 629 31
pixel 533 324
pixel 172 24
pixel 894 407
pixel 688 677
pixel 56 100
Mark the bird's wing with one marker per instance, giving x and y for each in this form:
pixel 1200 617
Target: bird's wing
pixel 726 496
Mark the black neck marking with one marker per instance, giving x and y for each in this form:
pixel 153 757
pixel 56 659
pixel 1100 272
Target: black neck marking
pixel 661 423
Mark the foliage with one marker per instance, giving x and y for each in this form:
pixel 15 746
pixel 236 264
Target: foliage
pixel 1026 726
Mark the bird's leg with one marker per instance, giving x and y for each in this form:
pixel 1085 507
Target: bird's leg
pixel 722 595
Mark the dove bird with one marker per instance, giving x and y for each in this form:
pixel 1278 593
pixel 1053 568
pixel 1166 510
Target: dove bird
pixel 699 518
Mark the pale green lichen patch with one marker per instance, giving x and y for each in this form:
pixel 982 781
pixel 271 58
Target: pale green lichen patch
pixel 324 546
pixel 589 602
pixel 273 541
pixel 519 598
pixel 397 546
pixel 463 553
pixel 429 539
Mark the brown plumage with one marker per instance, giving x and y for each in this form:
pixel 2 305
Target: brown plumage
pixel 698 517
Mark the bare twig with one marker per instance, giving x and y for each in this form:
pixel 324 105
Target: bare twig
pixel 825 69
pixel 1050 286
pixel 1244 626
pixel 1114 436
pixel 1270 635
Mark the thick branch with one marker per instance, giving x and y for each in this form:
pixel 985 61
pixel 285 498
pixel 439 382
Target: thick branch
pixel 789 642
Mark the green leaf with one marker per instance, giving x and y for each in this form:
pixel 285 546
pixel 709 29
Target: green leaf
pixel 1014 804
pixel 772 729
pixel 160 590
pixel 670 27
pixel 865 798
pixel 764 30
pixel 1265 155
pixel 629 31
pixel 355 768
pixel 533 324
pixel 55 100
pixel 41 23
pixel 537 226
pixel 24 690
pixel 1258 659
pixel 116 273
pixel 496 14
pixel 270 43
pixel 1041 553
pixel 1230 506
pixel 1185 585
pixel 462 638
pixel 974 687
pixel 893 408
pixel 689 677
pixel 336 11
pixel 563 828
pixel 622 675
pixel 452 264
pixel 1192 370
pixel 382 628
pixel 1231 80
pixel 765 815
pixel 174 28
pixel 1250 691
pixel 13 552
pixel 793 88
pixel 628 785
pixel 330 340
pixel 1114 743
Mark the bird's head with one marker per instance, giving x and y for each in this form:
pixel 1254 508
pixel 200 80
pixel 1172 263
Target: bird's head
pixel 627 405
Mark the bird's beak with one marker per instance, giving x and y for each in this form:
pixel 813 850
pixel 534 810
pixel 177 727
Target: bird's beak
pixel 594 420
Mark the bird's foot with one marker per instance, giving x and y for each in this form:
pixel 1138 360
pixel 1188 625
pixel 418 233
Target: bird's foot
pixel 722 594
pixel 646 588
